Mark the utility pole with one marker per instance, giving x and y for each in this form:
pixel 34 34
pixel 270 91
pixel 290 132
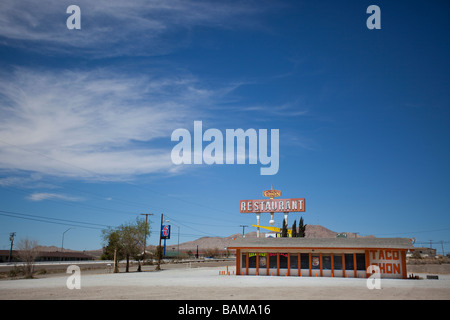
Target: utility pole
pixel 158 267
pixel 243 230
pixel 11 238
pixel 178 242
pixel 145 237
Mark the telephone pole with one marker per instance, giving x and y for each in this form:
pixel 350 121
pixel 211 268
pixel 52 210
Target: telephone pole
pixel 243 230
pixel 158 267
pixel 145 237
pixel 11 238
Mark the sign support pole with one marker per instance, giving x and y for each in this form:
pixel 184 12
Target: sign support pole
pixel 258 215
pixel 158 267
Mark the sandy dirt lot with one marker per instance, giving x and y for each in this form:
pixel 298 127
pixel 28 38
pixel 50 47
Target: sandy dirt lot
pixel 183 283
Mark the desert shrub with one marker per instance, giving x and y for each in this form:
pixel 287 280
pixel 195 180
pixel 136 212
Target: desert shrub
pixel 42 271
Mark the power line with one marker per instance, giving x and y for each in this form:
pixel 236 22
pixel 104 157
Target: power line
pixel 66 222
pixel 183 224
pixel 69 203
pixel 65 202
pixel 103 178
pixel 411 232
pixel 53 222
pixel 73 223
pixel 433 242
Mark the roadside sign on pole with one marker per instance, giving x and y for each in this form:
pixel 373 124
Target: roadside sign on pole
pixel 165 232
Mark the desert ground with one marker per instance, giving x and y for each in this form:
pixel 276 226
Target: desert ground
pixel 206 281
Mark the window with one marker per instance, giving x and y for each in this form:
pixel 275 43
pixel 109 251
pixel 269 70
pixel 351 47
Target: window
pixel 283 260
pixel 304 257
pixel 272 260
pixel 294 260
pixel 251 260
pixel 244 260
pixel 337 259
pixel 326 262
pixel 349 261
pixel 360 261
pixel 262 260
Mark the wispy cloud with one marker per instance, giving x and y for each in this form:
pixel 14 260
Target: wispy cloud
pixel 289 109
pixel 29 181
pixel 116 27
pixel 98 124
pixel 106 123
pixel 52 196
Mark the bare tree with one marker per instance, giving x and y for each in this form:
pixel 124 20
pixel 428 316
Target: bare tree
pixel 27 251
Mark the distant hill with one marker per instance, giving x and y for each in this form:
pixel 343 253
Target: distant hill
pixel 318 231
pixel 312 231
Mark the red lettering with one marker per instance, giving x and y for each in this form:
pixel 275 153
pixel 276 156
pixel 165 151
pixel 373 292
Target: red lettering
pixel 380 255
pixel 388 267
pixel 388 255
pixel 395 255
pixel 373 254
pixel 396 268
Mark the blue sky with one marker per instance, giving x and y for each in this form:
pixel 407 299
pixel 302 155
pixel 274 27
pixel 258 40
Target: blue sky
pixel 86 115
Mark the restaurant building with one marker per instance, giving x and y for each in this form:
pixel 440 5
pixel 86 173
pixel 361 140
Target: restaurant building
pixel 322 257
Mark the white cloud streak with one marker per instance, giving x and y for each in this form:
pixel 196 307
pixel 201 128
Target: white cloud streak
pixel 105 124
pixel 52 196
pixel 93 125
pixel 116 27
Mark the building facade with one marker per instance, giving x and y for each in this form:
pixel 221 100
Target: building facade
pixel 322 257
pixel 46 256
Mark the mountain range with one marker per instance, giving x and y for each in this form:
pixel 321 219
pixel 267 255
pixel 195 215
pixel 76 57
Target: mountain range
pixel 220 243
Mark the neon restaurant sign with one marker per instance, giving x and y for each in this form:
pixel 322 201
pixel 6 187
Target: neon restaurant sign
pixel 272 205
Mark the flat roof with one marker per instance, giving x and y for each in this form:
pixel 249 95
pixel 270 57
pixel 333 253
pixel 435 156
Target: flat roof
pixel 366 243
